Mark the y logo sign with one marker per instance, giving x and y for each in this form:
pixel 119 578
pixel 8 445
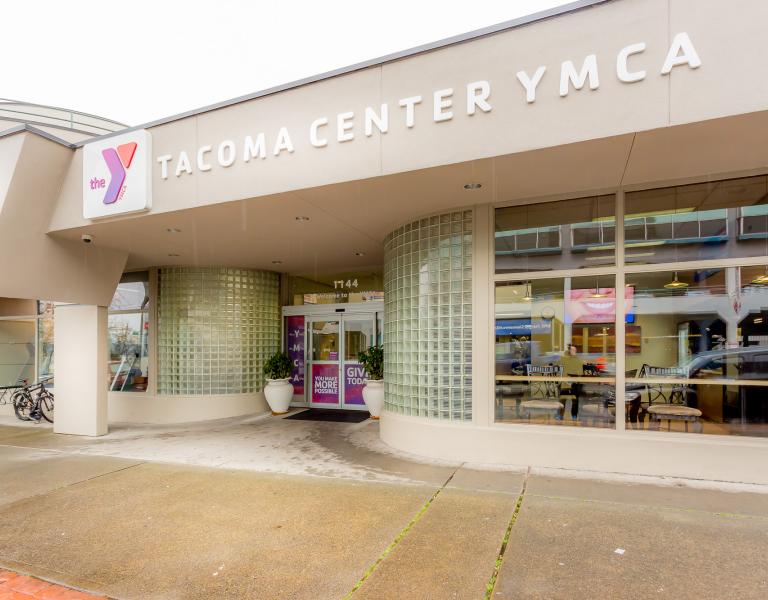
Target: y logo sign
pixel 117 175
pixel 116 159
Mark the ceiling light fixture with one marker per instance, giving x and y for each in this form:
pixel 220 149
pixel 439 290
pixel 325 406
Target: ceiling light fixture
pixel 359 253
pixel 174 255
pixel 761 279
pixel 172 230
pixel 528 297
pixel 277 262
pixel 597 293
pixel 302 219
pixel 472 186
pixel 676 284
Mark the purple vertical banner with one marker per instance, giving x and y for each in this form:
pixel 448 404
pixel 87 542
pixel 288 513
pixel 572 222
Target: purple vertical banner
pixel 325 384
pixel 354 380
pixel 294 333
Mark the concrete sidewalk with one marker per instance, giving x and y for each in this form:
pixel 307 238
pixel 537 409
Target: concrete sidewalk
pixel 385 527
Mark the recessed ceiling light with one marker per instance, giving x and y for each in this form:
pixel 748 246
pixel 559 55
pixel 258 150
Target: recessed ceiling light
pixel 172 230
pixel 174 255
pixel 472 186
pixel 277 262
pixel 359 253
pixel 302 219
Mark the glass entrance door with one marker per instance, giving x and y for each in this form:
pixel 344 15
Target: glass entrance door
pixel 358 336
pixel 324 354
pixel 335 378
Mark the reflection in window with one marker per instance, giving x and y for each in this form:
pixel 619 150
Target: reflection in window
pixel 555 351
pixel 697 222
pixel 128 330
pixel 336 288
pixel 128 352
pixel 45 339
pixel 358 336
pixel 17 351
pixel 703 359
pixel 325 340
pixel 556 235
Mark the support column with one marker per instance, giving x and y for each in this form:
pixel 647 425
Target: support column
pixel 80 344
pixel 483 307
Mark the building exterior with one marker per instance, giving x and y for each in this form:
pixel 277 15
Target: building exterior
pixel 539 220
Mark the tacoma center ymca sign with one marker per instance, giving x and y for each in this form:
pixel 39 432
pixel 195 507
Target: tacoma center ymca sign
pixel 116 170
pixel 476 97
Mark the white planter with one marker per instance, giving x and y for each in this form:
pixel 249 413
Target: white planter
pixel 373 394
pixel 279 393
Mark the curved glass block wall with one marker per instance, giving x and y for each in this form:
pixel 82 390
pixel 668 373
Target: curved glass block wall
pixel 428 317
pixel 216 327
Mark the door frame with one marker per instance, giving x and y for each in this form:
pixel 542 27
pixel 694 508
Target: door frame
pixel 330 312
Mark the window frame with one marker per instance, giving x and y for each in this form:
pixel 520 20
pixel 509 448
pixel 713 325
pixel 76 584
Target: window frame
pixel 619 270
pixel 151 311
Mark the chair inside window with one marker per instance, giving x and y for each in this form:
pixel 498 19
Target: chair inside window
pixel 544 395
pixel 671 393
pixel 669 402
pixel 549 390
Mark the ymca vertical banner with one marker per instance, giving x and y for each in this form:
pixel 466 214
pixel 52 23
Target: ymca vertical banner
pixel 325 384
pixel 294 331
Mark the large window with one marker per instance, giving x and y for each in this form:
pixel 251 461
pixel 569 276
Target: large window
pixel 128 325
pixel 556 351
pixel 571 234
pixel 18 348
pixel 666 332
pixel 703 360
pixel 45 338
pixel 703 221
pixel 17 351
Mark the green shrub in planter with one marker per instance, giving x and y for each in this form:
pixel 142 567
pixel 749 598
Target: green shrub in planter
pixel 278 366
pixel 373 362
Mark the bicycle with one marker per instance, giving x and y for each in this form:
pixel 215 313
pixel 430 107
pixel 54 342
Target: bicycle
pixel 29 408
pixel 7 392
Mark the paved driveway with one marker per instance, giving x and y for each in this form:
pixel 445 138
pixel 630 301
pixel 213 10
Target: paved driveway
pixel 268 508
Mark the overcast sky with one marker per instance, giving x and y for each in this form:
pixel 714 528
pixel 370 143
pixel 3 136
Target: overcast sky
pixel 141 60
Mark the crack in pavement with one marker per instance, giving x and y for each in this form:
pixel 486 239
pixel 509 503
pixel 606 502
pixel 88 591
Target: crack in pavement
pixel 400 536
pixel 490 587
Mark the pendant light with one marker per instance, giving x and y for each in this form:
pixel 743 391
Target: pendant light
pixel 761 279
pixel 676 284
pixel 597 293
pixel 528 297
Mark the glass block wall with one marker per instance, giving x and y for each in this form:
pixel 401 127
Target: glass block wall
pixel 428 317
pixel 216 327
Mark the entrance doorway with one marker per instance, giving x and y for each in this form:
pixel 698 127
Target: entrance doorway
pixel 324 342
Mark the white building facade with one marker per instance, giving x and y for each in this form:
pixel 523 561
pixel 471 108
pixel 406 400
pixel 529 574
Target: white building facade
pixel 558 228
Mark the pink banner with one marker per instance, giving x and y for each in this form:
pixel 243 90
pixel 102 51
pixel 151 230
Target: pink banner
pixel 354 380
pixel 325 384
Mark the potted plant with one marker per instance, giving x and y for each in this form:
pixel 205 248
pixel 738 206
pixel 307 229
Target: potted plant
pixel 279 390
pixel 372 361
